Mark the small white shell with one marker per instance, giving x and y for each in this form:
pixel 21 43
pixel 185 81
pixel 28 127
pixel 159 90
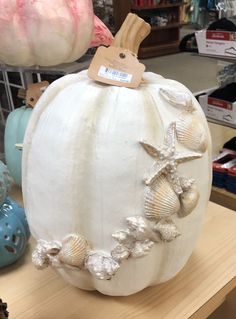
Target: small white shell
pixel 73 251
pixel 179 99
pixel 141 248
pixel 101 266
pixel 191 132
pixel 188 200
pixel 161 201
pixel 167 230
pixel 120 252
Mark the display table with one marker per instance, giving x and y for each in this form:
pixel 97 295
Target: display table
pixel 194 293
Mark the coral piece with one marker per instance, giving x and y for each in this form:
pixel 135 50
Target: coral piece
pixel 167 229
pixel 161 201
pixel 101 266
pixel 182 100
pixel 73 250
pixel 191 132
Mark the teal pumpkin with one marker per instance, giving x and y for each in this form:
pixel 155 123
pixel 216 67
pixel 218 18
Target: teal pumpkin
pixel 14 134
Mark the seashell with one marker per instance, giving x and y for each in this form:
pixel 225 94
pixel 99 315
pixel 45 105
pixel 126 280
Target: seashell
pixel 120 252
pixel 191 132
pixel 167 229
pixel 188 200
pixel 161 201
pixel 73 251
pixel 141 248
pixel 181 100
pixel 102 267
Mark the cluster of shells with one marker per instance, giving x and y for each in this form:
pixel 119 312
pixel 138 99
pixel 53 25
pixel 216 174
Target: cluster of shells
pixel 166 194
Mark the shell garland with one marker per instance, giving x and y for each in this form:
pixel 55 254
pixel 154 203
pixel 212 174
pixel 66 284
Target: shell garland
pixel 167 193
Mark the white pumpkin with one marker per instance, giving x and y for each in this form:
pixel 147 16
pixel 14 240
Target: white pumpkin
pixel 104 166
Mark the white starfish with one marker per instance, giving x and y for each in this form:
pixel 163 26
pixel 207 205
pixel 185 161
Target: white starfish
pixel 167 159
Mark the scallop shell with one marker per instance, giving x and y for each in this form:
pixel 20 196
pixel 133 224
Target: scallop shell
pixel 161 201
pixel 73 251
pixel 188 200
pixel 191 132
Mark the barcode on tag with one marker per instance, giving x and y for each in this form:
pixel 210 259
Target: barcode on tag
pixel 114 75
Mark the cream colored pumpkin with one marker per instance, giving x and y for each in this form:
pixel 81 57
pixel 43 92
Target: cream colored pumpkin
pixel 88 169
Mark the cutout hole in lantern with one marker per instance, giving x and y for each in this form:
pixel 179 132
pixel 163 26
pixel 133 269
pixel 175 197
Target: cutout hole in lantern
pixel 15 239
pixel 10 249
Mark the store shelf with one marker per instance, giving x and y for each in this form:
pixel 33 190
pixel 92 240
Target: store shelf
pixel 219 57
pixel 159 6
pixel 168 26
pixel 161 40
pixel 160 49
pixel 209 119
pixel 61 69
pixel 224 198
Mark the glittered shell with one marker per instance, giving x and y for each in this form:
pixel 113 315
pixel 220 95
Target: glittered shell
pixel 161 201
pixel 191 132
pixel 82 146
pixel 73 251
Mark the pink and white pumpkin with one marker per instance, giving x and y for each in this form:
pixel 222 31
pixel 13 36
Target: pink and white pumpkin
pixel 47 33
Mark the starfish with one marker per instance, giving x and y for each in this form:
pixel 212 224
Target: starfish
pixel 167 159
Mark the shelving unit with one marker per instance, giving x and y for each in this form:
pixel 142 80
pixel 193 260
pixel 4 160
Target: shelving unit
pixel 25 75
pixel 163 39
pixel 226 59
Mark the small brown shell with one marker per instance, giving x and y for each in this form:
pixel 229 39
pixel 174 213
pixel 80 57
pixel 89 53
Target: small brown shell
pixel 188 200
pixel 161 201
pixel 191 132
pixel 74 250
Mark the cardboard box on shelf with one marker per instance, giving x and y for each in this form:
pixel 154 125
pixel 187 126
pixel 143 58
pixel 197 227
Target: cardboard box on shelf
pixel 217 43
pixel 218 109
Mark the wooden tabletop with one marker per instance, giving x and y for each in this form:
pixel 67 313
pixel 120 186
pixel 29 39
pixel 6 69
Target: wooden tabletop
pixel 194 293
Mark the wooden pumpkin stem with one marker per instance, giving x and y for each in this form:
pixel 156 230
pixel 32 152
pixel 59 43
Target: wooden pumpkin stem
pixel 132 32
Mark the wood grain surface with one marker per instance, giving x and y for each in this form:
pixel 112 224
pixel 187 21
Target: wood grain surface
pixel 194 293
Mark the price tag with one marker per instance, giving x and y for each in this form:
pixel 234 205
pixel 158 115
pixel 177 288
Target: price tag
pixel 34 91
pixel 116 66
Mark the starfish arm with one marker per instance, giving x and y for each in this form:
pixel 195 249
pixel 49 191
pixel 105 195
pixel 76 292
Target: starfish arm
pixel 157 170
pixel 186 156
pixel 170 136
pixel 151 150
pixel 175 182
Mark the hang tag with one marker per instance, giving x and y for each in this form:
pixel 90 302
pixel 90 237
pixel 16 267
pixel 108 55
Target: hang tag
pixel 34 91
pixel 116 66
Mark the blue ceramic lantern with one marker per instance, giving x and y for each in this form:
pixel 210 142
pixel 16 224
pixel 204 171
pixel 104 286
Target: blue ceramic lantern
pixel 14 230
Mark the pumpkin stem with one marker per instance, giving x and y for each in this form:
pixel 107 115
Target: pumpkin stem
pixel 132 32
